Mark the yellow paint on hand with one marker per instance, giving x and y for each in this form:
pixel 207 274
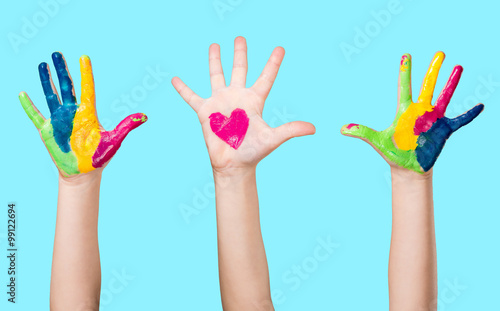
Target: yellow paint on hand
pixel 404 135
pixel 86 131
pixel 431 78
pixel 404 64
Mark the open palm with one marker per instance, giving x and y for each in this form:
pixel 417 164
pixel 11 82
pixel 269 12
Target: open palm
pixel 73 135
pixel 419 131
pixel 231 119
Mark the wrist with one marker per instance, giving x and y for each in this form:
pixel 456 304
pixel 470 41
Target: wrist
pixel 402 174
pixel 234 177
pixel 233 172
pixel 81 179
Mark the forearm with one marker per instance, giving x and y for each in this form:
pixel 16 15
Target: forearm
pixel 243 271
pixel 412 261
pixel 76 271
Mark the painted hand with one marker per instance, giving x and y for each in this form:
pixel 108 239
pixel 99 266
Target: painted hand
pixel 419 131
pixel 231 119
pixel 74 137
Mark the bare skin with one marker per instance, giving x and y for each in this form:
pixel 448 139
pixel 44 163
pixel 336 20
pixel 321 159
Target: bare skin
pixel 412 259
pixel 76 269
pixel 243 271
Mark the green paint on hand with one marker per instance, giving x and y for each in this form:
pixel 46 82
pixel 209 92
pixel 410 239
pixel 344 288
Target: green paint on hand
pixel 66 162
pixel 142 119
pixel 383 142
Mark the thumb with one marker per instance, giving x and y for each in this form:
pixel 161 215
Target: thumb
pixel 358 131
pixel 112 140
pixel 365 133
pixel 293 129
pixel 128 124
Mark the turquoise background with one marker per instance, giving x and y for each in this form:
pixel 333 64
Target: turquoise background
pixel 310 188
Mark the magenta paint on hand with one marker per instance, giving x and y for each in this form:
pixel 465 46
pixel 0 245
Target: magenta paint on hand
pixel 425 121
pixel 403 59
pixel 351 125
pixel 112 140
pixel 231 130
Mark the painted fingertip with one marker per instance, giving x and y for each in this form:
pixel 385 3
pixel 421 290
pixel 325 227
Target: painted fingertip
pixel 23 95
pixel 57 56
pixel 84 59
pixel 405 57
pixel 346 129
pixel 43 67
pixel 405 63
pixel 440 55
pixel 477 109
pixel 139 117
pixel 85 63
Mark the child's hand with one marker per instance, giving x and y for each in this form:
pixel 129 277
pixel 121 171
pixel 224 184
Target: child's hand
pixel 420 130
pixel 73 135
pixel 231 119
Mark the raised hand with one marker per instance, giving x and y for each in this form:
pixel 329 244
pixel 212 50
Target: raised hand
pixel 73 136
pixel 231 119
pixel 419 131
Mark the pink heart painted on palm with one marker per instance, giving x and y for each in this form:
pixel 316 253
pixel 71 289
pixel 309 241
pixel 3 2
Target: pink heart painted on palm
pixel 232 130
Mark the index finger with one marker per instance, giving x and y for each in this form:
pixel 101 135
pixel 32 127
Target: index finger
pixel 404 91
pixel 265 82
pixel 88 90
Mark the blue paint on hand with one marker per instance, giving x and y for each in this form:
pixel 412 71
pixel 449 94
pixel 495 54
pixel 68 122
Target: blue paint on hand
pixel 65 82
pixel 61 116
pixel 431 142
pixel 62 123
